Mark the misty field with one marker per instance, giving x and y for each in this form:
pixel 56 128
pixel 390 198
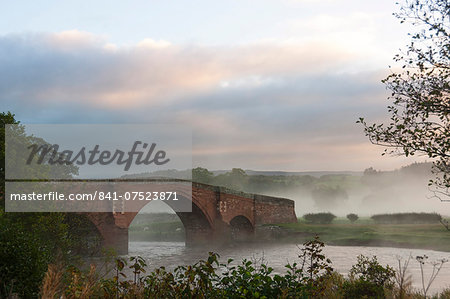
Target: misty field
pixel 367 233
pixel 364 232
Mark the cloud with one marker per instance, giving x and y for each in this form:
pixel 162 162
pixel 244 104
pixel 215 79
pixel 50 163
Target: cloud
pixel 263 105
pixel 149 43
pixel 74 66
pixel 70 40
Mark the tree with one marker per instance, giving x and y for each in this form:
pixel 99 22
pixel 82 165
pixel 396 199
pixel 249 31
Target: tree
pixel 420 93
pixel 29 241
pixel 202 175
pixel 319 218
pixel 19 142
pixel 352 217
pixel 235 179
pixel 5 118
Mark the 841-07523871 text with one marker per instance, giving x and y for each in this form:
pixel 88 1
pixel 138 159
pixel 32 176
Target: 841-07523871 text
pixel 97 195
pixel 138 195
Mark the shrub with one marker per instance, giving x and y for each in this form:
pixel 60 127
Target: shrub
pixel 319 218
pixel 368 279
pixel 30 241
pixel 352 217
pixel 23 260
pixel 360 288
pixel 407 218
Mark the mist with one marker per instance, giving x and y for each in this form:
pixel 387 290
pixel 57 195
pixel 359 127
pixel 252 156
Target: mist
pixel 365 193
pixel 371 192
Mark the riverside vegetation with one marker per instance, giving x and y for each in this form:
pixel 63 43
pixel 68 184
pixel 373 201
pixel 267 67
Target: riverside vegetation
pixel 311 277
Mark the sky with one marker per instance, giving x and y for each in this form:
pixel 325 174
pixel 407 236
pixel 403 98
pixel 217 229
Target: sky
pixel 264 85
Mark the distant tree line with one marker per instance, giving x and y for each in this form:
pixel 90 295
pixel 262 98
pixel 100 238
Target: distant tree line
pixel 396 218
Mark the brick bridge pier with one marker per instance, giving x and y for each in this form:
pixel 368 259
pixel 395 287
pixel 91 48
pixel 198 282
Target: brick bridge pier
pixel 218 214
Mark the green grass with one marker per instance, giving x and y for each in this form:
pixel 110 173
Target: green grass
pixel 366 233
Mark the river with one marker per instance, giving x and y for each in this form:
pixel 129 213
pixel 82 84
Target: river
pixel 172 254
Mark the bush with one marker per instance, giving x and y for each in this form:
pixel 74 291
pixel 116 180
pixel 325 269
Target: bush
pixel 23 260
pixel 319 218
pixel 407 218
pixel 30 241
pixel 359 288
pixel 368 279
pixel 352 217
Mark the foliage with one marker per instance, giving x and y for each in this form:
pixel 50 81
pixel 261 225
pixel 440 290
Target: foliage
pixel 314 269
pixel 352 217
pixel 235 179
pixel 311 277
pixel 371 270
pixel 5 118
pixel 368 279
pixel 407 218
pixel 209 278
pixel 23 259
pixel 420 112
pixel 202 175
pixel 83 237
pixel 30 241
pixel 18 148
pixel 319 218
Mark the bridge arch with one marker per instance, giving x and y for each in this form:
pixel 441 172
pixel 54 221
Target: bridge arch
pixel 241 228
pixel 197 222
pixel 197 225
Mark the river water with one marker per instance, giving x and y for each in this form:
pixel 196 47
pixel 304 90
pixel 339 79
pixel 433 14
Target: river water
pixel 172 254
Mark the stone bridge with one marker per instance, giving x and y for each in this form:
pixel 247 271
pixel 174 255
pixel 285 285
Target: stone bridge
pixel 218 214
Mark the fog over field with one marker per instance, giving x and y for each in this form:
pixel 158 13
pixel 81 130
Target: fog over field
pixel 406 195
pixel 365 193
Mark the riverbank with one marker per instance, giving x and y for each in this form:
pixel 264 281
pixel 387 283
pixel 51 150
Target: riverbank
pixel 278 254
pixel 254 270
pixel 366 233
pixel 340 232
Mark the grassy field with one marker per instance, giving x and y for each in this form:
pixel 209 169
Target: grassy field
pixel 365 232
